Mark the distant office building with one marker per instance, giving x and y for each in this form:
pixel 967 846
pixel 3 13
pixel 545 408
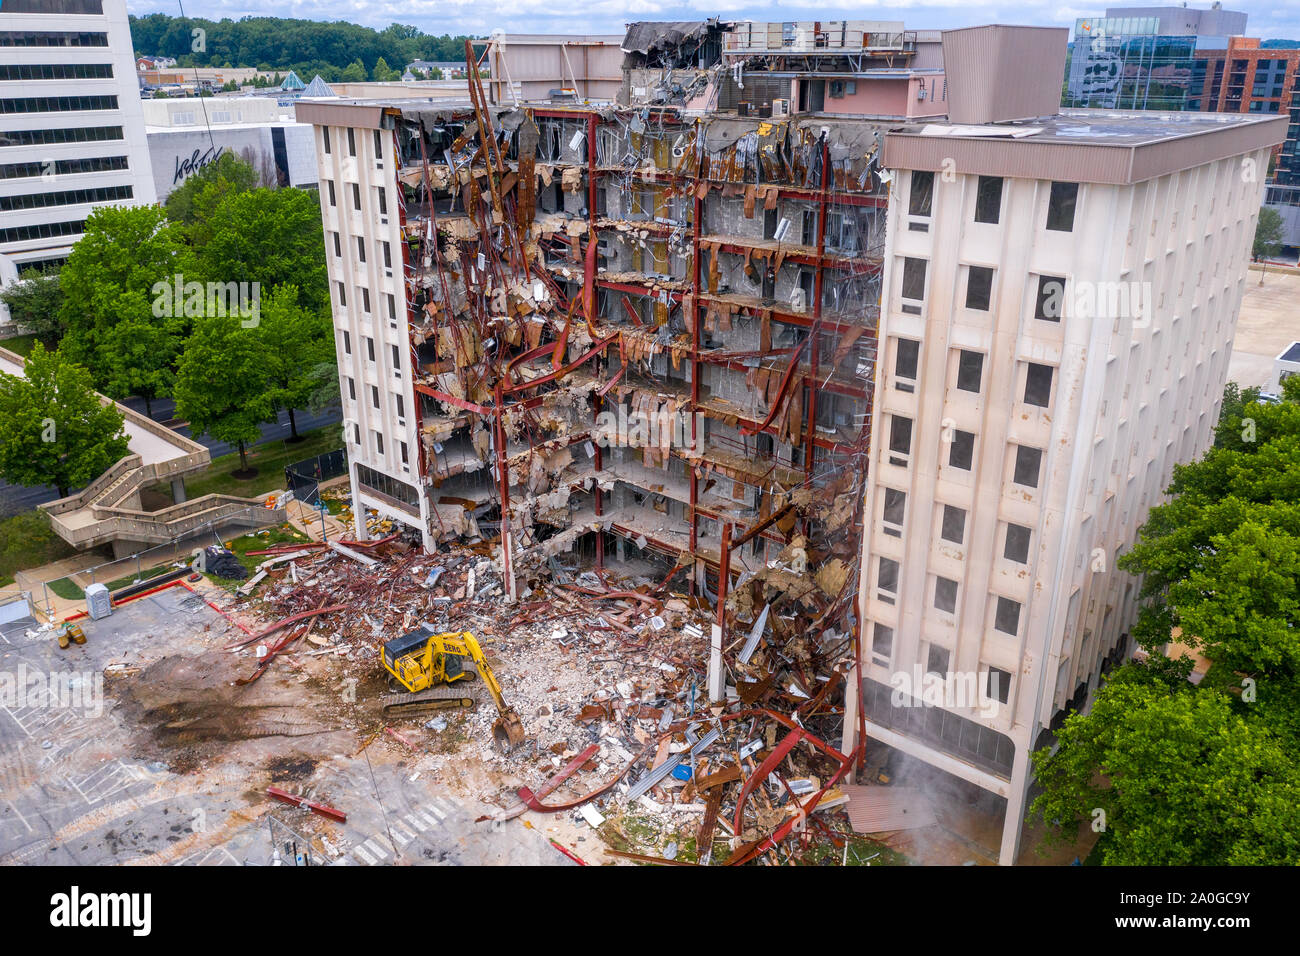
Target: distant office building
pixel 1139 58
pixel 71 128
pixel 187 134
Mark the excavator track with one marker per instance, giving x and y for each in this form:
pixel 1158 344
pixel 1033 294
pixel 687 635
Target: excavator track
pixel 446 697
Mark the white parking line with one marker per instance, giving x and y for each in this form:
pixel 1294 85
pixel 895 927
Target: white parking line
pixel 373 846
pixel 442 814
pixel 365 857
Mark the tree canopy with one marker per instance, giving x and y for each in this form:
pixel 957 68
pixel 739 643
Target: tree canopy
pixel 223 384
pixel 306 46
pixel 110 279
pixel 54 430
pixel 36 304
pixel 1204 773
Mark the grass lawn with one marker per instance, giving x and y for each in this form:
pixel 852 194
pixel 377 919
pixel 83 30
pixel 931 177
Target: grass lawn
pixel 257 541
pixel 269 459
pixel 27 541
pixel 22 344
pixel 66 588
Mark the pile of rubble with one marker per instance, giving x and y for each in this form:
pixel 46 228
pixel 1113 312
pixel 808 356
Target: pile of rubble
pixel 609 676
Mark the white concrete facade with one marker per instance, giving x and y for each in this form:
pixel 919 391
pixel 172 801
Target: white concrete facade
pixel 1001 561
pixel 71 127
pixel 359 206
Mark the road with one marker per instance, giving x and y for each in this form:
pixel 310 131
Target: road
pixel 15 498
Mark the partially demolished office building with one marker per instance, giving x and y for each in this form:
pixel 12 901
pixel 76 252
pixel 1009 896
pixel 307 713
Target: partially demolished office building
pixel 643 337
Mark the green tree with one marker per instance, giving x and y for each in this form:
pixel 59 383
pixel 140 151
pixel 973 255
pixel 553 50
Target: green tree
pixel 354 72
pixel 1268 237
pixel 270 236
pixel 54 430
pixel 36 305
pixel 382 73
pixel 112 276
pixel 223 384
pixel 192 203
pixel 1202 773
pixel 295 341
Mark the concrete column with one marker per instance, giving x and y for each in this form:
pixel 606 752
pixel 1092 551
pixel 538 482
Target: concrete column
pixel 717 691
pixel 1017 793
pixel 358 509
pixel 178 490
pixel 852 691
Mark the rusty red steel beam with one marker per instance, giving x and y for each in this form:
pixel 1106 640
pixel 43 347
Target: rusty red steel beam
pixel 453 400
pixel 294 800
pixel 533 803
pixel 782 392
pixel 561 372
pixel 302 615
pixel 762 526
pixel 613 595
pixel 770 763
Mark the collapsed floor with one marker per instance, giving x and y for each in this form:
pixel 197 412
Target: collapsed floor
pixel 609 680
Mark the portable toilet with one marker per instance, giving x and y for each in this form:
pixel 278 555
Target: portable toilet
pixel 98 603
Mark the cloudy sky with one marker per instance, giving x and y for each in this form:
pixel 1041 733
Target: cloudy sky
pixel 1268 18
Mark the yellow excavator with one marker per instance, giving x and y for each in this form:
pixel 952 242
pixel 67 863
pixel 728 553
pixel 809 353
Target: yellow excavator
pixel 433 668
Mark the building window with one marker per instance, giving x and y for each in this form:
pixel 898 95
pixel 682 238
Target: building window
pixel 913 281
pixel 397 357
pixel 887 579
pixel 401 407
pixel 921 198
pixel 60 167
pixel 361 249
pixel 1051 298
pixel 945 595
pixel 370 348
pixel 1060 207
pixel 402 446
pixel 65 197
pixel 970 368
pixel 343 298
pixel 347 345
pixel 392 308
pixel 936 661
pixel 56 104
pixel 388 254
pixel 338 248
pixel 383 202
pixel 379 150
pixel 356 196
pixel 954 524
pixel 325 132
pixel 900 437
pixel 75 134
pixel 895 502
pixel 374 396
pixel 979 288
pixel 356 434
pixel 1017 545
pixel 330 184
pixel 962 451
pixel 1038 385
pixel 379 443
pixel 905 361
pixel 352 142
pixel 352 388
pixel 1007 616
pixel 882 642
pixel 998 686
pixel 988 199
pixel 1028 463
